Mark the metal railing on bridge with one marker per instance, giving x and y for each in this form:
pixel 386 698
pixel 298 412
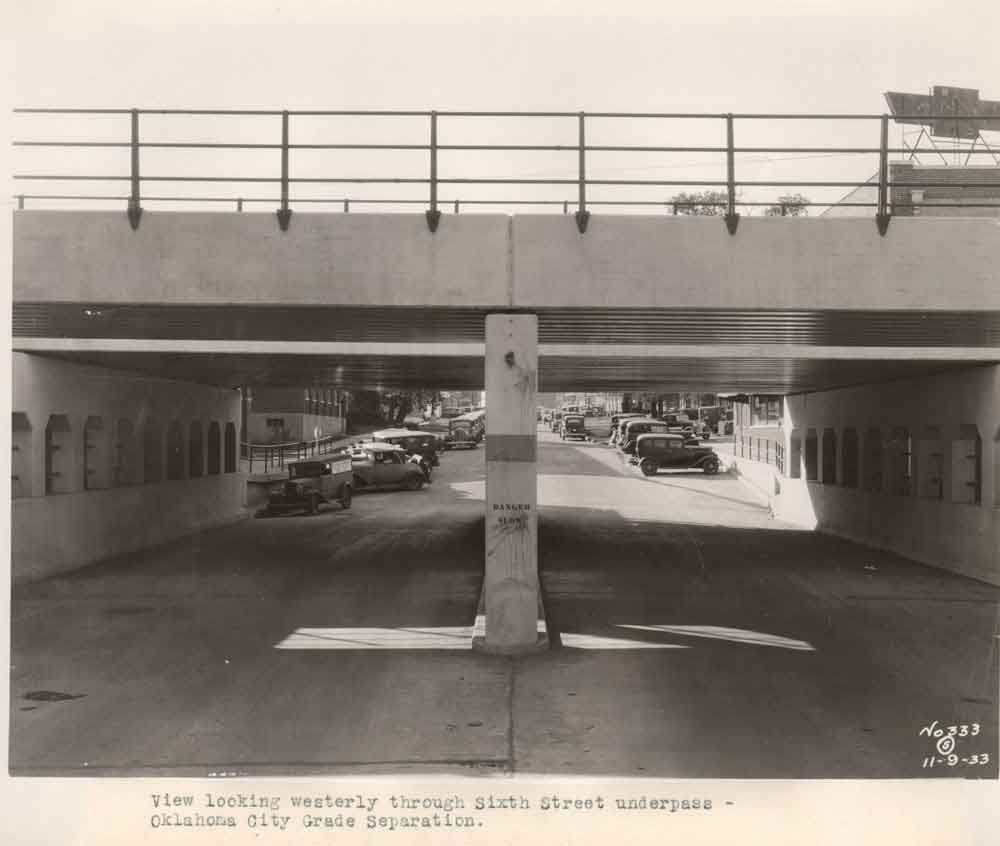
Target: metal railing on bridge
pixel 765 450
pixel 728 192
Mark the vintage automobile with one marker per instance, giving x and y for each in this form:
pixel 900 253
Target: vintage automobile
pixel 424 444
pixel 616 421
pixel 697 429
pixel 656 450
pixel 311 483
pixel 619 437
pixel 556 421
pixel 379 465
pixel 639 426
pixel 463 433
pixel 572 426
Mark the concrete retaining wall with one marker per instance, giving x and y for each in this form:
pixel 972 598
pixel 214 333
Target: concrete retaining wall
pixel 957 536
pixel 55 534
pixel 104 500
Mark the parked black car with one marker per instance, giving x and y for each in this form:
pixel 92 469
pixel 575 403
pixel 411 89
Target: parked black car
pixel 572 426
pixel 637 426
pixel 616 420
pixel 424 444
pixel 656 451
pixel 310 483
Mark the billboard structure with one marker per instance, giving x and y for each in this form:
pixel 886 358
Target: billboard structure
pixel 947 112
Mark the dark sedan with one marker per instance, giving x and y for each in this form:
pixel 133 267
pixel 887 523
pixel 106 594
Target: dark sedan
pixel 654 452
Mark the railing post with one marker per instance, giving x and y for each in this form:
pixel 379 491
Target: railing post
pixel 582 215
pixel 882 215
pixel 284 213
pixel 433 215
pixel 732 218
pixel 134 202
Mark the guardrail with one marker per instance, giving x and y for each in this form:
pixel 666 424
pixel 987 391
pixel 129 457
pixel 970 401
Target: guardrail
pixel 728 198
pixel 765 450
pixel 271 456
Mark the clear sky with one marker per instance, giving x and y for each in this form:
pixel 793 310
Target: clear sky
pixel 733 56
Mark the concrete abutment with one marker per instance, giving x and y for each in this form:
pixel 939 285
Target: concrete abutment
pixel 913 467
pixel 110 462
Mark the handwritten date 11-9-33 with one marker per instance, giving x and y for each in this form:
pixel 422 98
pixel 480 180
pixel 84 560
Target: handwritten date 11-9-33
pixel 945 739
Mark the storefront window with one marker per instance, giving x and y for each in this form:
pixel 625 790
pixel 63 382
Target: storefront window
pixel 766 410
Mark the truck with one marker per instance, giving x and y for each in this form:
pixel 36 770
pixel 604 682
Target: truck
pixel 310 484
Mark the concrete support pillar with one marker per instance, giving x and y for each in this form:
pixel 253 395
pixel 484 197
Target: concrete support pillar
pixel 511 600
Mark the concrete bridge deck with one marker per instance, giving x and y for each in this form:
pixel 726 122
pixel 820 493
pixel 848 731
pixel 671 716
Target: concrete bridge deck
pixel 785 305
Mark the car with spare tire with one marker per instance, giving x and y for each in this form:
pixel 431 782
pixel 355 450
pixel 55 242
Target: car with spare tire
pixel 671 451
pixel 381 466
pixel 310 484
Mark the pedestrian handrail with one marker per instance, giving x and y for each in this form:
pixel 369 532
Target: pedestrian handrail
pixel 271 456
pixel 767 193
pixel 765 450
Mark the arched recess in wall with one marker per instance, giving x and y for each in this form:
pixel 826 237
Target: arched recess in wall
pixel 829 457
pixel 795 455
pixel 849 458
pixel 20 455
pixel 871 461
pixel 126 469
pixel 59 455
pixel 996 469
pixel 214 448
pixel 967 465
pixel 930 463
pixel 152 451
pixel 899 461
pixel 96 454
pixel 230 451
pixel 812 456
pixel 175 451
pixel 196 454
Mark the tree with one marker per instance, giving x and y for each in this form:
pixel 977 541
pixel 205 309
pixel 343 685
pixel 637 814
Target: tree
pixel 703 203
pixel 789 205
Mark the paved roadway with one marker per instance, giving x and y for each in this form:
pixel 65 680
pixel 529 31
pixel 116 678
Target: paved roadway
pixel 693 636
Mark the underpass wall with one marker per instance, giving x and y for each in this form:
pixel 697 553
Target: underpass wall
pixel 962 538
pixel 108 462
pixel 56 534
pixel 911 493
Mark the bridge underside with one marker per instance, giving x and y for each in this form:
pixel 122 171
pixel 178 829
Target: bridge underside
pixel 612 348
pixel 705 371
